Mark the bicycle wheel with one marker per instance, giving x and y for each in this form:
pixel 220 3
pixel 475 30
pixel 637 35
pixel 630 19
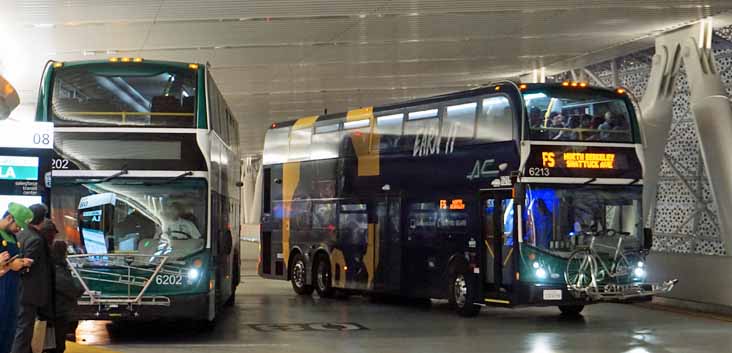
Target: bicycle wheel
pixel 581 267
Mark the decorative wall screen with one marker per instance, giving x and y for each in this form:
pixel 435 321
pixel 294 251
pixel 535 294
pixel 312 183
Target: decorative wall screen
pixel 685 219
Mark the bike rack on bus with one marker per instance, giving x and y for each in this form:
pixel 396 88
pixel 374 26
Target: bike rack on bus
pixel 86 268
pixel 609 292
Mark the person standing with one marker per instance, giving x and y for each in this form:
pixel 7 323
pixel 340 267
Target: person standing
pixel 66 292
pixel 35 285
pixel 15 219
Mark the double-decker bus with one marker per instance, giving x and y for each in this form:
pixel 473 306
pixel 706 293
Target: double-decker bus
pixel 505 195
pixel 145 186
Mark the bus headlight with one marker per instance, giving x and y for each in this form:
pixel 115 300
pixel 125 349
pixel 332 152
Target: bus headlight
pixel 193 274
pixel 639 272
pixel 540 273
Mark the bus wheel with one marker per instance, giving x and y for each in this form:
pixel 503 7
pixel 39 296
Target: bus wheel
pixel 298 276
pixel 571 310
pixel 323 280
pixel 463 290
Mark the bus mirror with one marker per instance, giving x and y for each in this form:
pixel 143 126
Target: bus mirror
pixel 239 184
pixel 9 99
pixel 647 238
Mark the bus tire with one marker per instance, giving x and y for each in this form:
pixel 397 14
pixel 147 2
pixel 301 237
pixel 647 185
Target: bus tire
pixel 323 278
pixel 463 293
pixel 571 310
pixel 232 298
pixel 298 275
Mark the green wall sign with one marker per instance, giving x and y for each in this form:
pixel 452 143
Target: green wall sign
pixel 18 168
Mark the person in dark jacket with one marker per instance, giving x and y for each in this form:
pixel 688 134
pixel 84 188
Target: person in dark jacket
pixel 66 292
pixel 36 284
pixel 15 219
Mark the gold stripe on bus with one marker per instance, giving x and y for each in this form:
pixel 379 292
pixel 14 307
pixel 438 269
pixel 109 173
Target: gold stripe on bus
pixel 371 258
pixel 366 145
pixel 290 181
pixel 307 121
pixel 338 263
pixel 499 301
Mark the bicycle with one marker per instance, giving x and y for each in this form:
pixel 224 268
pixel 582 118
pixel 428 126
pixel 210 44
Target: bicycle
pixel 586 267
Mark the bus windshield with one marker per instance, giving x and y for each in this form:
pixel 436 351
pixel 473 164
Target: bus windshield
pixel 577 115
pixel 136 216
pixel 560 218
pixel 124 95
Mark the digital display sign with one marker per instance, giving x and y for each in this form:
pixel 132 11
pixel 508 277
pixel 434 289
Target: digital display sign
pixel 456 204
pixel 582 162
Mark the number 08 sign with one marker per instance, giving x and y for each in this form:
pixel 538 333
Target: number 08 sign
pixel 26 134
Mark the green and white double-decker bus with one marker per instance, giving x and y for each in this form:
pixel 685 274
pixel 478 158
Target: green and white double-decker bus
pixel 145 186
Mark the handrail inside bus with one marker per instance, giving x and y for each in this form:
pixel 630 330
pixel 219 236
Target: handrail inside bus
pixel 128 113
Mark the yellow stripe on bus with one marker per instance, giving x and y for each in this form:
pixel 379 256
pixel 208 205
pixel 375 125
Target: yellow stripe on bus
pixel 497 301
pixel 366 145
pixel 290 181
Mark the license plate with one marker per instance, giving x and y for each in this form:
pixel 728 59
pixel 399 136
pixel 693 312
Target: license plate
pixel 552 294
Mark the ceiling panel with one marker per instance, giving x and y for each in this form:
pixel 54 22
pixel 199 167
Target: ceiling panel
pixel 279 59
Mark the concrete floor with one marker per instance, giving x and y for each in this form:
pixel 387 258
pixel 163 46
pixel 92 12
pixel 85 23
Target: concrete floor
pixel 269 317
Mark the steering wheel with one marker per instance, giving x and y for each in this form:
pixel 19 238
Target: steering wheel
pixel 186 234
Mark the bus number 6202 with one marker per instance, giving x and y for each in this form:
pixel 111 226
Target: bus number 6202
pixel 168 280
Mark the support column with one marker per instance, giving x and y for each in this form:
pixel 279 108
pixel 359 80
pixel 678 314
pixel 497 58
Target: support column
pixel 709 105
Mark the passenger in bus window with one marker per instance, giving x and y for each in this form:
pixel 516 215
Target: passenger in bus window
pixel 585 128
pixel 605 126
pixel 570 135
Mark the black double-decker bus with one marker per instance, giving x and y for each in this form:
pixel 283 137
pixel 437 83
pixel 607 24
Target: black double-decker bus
pixel 510 194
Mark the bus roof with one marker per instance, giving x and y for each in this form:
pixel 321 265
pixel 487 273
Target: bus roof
pixel 491 88
pixel 108 61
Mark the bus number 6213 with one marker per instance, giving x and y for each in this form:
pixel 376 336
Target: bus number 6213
pixel 541 172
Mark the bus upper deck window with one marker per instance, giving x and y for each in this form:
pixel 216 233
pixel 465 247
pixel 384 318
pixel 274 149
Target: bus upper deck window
pixel 459 121
pixel 495 121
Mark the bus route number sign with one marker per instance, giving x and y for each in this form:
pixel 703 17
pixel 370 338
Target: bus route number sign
pixel 579 161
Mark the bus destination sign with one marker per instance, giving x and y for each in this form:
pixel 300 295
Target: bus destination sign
pixel 582 162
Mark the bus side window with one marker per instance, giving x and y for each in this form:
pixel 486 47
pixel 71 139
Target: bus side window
pixel 276 145
pixel 324 214
pixel 420 124
pixel 325 141
pixel 213 105
pixel 300 144
pixel 459 121
pixel 389 129
pixel 358 130
pixel 495 122
pixel 353 224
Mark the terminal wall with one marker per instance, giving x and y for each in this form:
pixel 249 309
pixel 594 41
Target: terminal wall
pixel 687 242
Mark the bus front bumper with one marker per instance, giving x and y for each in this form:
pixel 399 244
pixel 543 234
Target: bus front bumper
pixel 613 292
pixel 190 306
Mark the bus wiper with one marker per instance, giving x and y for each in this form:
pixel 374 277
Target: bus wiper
pixel 122 172
pixel 170 180
pixel 115 175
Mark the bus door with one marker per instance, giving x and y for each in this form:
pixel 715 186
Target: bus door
pixel 388 254
pixel 497 213
pixel 422 247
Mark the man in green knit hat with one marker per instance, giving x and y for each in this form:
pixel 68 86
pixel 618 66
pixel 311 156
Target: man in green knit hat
pixel 15 219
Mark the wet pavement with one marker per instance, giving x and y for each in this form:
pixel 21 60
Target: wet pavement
pixel 269 317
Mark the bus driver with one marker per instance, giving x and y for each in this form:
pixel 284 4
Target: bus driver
pixel 175 226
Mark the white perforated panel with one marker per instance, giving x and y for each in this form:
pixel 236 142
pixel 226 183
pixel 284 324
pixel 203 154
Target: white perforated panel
pixel 685 219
